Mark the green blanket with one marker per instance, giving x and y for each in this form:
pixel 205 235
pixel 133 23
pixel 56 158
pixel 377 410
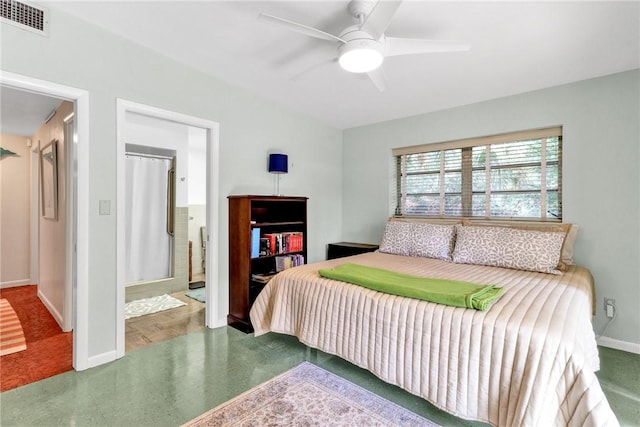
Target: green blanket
pixel 441 291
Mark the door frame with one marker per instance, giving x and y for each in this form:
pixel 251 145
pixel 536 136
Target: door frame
pixel 214 316
pixel 34 220
pixel 68 129
pixel 80 293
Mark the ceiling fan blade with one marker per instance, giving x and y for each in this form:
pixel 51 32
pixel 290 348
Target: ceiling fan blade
pixel 380 17
pixel 378 78
pixel 313 68
pixel 299 28
pixel 395 46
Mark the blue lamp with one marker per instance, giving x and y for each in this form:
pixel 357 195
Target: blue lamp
pixel 278 164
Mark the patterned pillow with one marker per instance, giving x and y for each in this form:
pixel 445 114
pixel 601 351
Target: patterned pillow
pixel 570 230
pixel 418 239
pixel 508 247
pixel 397 238
pixel 432 240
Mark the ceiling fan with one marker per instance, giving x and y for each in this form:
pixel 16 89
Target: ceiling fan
pixel 363 47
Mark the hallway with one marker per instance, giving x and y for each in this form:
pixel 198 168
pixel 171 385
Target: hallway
pixel 49 351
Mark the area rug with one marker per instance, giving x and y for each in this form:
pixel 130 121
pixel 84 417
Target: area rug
pixel 309 396
pixel 11 334
pixel 197 294
pixel 151 305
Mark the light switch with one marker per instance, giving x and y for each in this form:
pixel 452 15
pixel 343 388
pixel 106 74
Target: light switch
pixel 105 207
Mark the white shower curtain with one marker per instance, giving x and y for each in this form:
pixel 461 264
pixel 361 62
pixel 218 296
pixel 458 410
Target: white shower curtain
pixel 147 241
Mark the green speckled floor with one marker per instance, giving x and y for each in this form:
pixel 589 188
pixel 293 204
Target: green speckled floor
pixel 169 383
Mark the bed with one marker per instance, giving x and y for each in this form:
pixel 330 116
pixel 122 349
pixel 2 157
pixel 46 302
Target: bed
pixel 527 360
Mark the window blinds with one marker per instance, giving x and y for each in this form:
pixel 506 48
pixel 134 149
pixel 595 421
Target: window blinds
pixel 516 175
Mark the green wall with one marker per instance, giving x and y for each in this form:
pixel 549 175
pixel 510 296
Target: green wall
pixel 109 67
pixel 601 181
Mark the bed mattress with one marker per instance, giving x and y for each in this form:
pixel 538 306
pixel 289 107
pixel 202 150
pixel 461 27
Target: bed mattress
pixel 527 360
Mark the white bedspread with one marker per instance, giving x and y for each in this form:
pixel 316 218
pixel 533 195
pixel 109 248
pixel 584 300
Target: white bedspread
pixel 528 360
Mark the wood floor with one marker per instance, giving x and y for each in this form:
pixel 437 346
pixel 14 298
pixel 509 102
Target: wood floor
pixel 153 328
pixel 49 350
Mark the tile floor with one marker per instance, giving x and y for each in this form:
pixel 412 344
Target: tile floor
pixel 619 377
pixel 169 383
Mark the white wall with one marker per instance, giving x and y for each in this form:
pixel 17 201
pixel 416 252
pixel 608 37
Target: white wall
pixel 197 175
pixel 600 120
pixel 51 245
pixel 109 67
pixel 15 206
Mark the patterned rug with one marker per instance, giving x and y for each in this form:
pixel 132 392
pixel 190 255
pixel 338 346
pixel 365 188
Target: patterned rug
pixel 151 305
pixel 11 334
pixel 309 396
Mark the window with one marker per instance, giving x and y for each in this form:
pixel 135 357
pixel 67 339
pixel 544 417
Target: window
pixel 517 175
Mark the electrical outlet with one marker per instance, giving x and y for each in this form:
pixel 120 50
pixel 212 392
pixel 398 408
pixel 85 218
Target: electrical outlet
pixel 608 301
pixel 609 307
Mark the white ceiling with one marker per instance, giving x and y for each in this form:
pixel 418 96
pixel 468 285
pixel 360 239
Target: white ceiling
pixel 23 113
pixel 516 47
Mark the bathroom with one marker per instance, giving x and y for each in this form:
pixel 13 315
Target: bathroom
pixel 165 206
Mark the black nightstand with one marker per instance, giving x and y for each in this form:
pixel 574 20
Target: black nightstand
pixel 343 249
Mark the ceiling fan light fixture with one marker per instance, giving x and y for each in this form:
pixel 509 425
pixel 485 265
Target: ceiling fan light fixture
pixel 360 56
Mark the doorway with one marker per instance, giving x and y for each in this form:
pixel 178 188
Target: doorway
pixel 158 267
pixel 75 314
pixel 31 276
pixel 139 125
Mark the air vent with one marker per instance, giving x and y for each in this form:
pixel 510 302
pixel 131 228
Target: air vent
pixel 25 15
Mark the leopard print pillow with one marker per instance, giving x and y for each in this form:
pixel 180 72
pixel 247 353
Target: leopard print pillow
pixel 508 247
pixel 418 239
pixel 396 238
pixel 432 241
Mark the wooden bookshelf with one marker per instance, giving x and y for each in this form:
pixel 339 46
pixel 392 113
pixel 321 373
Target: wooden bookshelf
pixel 269 215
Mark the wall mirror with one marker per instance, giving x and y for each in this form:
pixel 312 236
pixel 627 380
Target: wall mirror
pixel 49 180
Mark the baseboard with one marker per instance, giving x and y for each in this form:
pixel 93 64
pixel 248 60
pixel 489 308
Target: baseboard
pixel 627 346
pixel 55 313
pixel 218 323
pixel 101 359
pixel 15 283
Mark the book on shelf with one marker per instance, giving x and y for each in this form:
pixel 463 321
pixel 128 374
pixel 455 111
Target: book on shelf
pixel 255 242
pixel 262 278
pixel 265 247
pixel 288 261
pixel 281 243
